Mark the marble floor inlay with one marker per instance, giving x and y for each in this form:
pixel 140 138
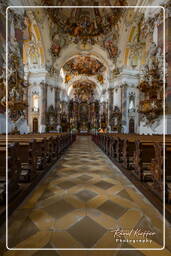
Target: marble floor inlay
pixel 79 204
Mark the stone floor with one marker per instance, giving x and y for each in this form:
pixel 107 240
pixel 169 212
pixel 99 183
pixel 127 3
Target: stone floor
pixel 79 204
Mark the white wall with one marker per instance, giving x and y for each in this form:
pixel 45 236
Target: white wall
pixel 155 128
pixel 21 125
pixel 50 97
pixel 168 124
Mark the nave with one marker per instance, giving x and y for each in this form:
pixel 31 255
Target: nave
pixel 78 203
pixel 71 69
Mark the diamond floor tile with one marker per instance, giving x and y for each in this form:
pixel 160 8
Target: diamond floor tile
pixel 46 194
pixel 112 209
pixel 46 252
pixel 85 177
pixel 125 195
pixel 87 232
pixel 27 229
pixel 86 195
pixel 72 202
pixel 104 184
pixel 59 209
pixel 66 184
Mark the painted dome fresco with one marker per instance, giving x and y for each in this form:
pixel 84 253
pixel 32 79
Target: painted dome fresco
pixel 85 22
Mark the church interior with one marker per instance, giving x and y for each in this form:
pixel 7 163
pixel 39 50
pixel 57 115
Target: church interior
pixel 85 128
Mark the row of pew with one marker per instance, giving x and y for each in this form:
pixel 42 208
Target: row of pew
pixel 141 156
pixel 27 157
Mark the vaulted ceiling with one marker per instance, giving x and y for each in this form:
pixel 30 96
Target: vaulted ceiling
pixel 86 22
pixel 91 40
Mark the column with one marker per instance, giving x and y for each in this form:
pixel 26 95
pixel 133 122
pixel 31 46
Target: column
pixel 117 97
pixel 75 114
pixel 44 105
pixel 26 99
pixel 100 112
pixel 57 105
pixel 110 103
pixel 57 98
pixel 168 88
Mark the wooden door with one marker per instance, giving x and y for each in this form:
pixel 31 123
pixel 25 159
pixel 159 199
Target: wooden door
pixel 35 125
pixel 131 126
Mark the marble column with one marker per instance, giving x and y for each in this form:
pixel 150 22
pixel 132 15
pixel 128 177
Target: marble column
pixel 168 80
pixel 26 99
pixel 62 107
pixel 44 87
pixel 100 112
pixel 117 97
pixel 57 104
pixel 75 114
pixel 57 98
pixel 110 103
pixel 65 108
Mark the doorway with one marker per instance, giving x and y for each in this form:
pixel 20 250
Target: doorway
pixel 131 126
pixel 35 125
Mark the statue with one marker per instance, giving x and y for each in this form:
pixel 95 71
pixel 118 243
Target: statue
pixel 111 48
pixel 58 128
pixel 57 43
pixel 152 50
pixel 55 49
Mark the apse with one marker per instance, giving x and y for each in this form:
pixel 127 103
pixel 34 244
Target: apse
pixel 84 106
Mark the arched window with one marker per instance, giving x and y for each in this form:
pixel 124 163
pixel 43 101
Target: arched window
pixel 35 106
pixel 131 106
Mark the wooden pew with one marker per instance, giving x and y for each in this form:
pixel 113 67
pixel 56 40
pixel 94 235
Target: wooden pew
pixel 56 143
pixel 168 171
pixel 27 156
pixel 157 168
pixel 144 153
pixel 112 148
pixel 141 155
pixel 38 145
pixel 128 152
pixel 14 171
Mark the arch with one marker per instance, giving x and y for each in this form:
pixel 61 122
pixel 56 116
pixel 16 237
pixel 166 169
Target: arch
pixel 130 53
pixel 80 78
pixel 88 55
pixel 96 51
pixel 33 50
pixel 71 89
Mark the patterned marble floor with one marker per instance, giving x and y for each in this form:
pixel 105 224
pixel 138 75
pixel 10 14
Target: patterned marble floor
pixel 79 204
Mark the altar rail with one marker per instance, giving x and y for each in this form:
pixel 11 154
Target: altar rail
pixel 30 156
pixel 140 157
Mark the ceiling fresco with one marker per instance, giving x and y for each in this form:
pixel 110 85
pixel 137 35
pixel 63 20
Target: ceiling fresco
pixel 84 65
pixel 85 24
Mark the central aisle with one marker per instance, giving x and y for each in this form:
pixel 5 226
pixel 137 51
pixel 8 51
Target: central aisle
pixel 82 198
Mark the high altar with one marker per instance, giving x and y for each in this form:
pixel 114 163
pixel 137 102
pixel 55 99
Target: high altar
pixel 84 110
